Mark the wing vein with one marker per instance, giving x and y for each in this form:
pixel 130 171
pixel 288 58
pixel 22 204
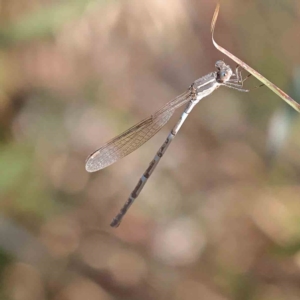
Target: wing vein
pixel 135 136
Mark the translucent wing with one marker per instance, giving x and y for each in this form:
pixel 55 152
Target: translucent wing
pixel 134 137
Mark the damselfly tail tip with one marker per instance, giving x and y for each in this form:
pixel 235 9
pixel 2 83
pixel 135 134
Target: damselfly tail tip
pixel 115 222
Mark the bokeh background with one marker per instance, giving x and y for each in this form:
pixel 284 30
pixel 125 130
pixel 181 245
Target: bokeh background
pixel 219 218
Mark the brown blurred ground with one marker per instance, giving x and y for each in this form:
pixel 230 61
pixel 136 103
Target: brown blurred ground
pixel 219 219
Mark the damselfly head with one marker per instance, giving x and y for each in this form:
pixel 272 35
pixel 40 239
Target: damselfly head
pixel 220 64
pixel 224 71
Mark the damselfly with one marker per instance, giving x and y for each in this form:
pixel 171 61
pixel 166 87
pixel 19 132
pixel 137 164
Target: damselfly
pixel 140 133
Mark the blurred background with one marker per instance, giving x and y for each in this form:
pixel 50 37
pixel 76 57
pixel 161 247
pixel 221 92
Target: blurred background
pixel 219 218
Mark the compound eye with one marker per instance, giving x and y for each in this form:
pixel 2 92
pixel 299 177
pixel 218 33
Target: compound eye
pixel 223 75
